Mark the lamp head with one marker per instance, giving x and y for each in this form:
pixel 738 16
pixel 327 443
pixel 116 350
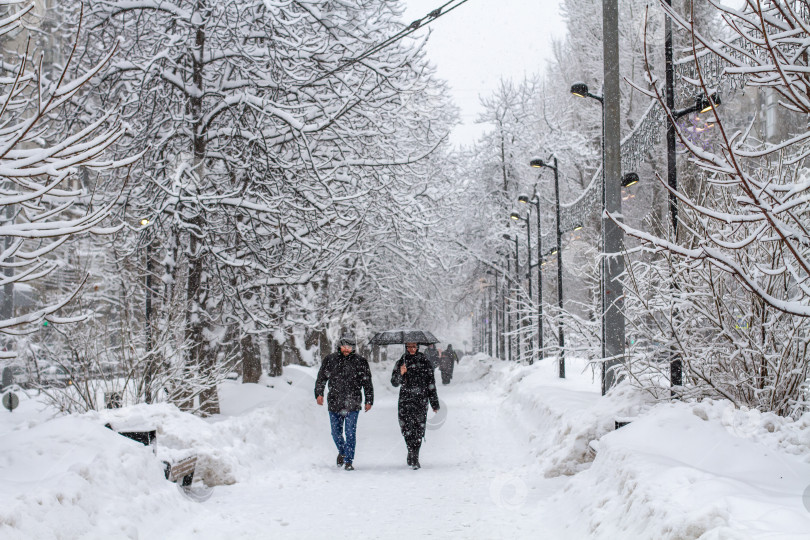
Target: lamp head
pixel 629 179
pixel 523 199
pixel 580 89
pixel 578 226
pixel 507 237
pixel 515 216
pixel 705 105
pixel 537 163
pixel 144 222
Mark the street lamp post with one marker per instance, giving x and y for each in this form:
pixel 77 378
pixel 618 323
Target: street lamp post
pixel 517 274
pixel 498 328
pixel 503 312
pixel 516 216
pixel 490 310
pixel 560 331
pixel 702 104
pixel 535 200
pixel 581 90
pixel 507 313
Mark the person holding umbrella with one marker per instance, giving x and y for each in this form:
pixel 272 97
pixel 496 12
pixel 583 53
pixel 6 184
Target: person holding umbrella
pixel 414 375
pixel 347 374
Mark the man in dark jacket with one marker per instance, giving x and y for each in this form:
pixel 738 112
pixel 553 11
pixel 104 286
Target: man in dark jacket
pixel 414 372
pixel 347 373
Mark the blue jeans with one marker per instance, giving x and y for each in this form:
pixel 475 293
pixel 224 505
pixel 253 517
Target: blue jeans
pixel 345 446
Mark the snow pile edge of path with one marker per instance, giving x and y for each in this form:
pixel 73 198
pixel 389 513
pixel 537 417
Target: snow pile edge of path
pixel 675 471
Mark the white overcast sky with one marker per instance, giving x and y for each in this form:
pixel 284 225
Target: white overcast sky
pixel 482 41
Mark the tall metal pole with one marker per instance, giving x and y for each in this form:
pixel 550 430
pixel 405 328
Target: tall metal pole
pixel 529 276
pixel 560 332
pixel 490 310
pixel 539 276
pixel 495 310
pixel 503 318
pixel 508 312
pixel 675 365
pixel 517 280
pixel 614 240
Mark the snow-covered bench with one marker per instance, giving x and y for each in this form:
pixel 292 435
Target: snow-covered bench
pixel 181 470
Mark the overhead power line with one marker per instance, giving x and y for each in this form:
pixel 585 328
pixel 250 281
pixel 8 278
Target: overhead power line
pixel 408 30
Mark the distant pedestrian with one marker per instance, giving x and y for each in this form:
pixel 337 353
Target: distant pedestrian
pixel 347 374
pixel 432 355
pixel 447 362
pixel 414 374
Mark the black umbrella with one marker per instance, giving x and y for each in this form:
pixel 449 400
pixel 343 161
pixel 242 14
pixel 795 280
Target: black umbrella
pixel 392 337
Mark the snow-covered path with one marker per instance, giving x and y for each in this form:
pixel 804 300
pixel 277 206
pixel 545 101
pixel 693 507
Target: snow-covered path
pixel 477 480
pixel 512 459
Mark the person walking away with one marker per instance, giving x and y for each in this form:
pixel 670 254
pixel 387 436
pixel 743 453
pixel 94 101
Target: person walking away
pixel 347 374
pixel 432 355
pixel 447 362
pixel 414 375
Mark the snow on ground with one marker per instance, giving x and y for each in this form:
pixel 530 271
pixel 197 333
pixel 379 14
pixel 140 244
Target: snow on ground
pixel 509 456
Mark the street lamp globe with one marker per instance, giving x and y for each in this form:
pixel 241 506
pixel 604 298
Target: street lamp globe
pixel 580 89
pixel 706 104
pixel 537 163
pixel 629 179
pixel 515 216
pixel 523 199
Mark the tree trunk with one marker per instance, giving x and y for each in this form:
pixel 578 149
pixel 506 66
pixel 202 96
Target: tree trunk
pixel 324 346
pixel 251 361
pixel 201 350
pixel 275 350
pixel 294 351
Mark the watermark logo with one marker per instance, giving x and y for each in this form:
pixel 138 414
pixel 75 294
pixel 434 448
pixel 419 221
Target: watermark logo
pixel 198 494
pixel 437 420
pixel 508 492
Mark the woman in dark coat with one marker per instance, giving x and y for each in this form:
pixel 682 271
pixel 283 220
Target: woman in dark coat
pixel 418 386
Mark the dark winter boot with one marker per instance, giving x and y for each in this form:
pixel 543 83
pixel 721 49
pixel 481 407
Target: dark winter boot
pixel 340 460
pixel 348 466
pixel 415 460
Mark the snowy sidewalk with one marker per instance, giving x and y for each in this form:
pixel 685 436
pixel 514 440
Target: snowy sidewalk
pixel 511 460
pixel 478 480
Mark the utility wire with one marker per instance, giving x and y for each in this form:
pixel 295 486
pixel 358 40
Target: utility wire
pixel 408 30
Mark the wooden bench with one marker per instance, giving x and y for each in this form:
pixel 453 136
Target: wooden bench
pixel 182 470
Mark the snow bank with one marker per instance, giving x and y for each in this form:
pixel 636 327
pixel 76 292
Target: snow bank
pixel 560 416
pixel 71 477
pixel 68 476
pixel 675 474
pixel 676 471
